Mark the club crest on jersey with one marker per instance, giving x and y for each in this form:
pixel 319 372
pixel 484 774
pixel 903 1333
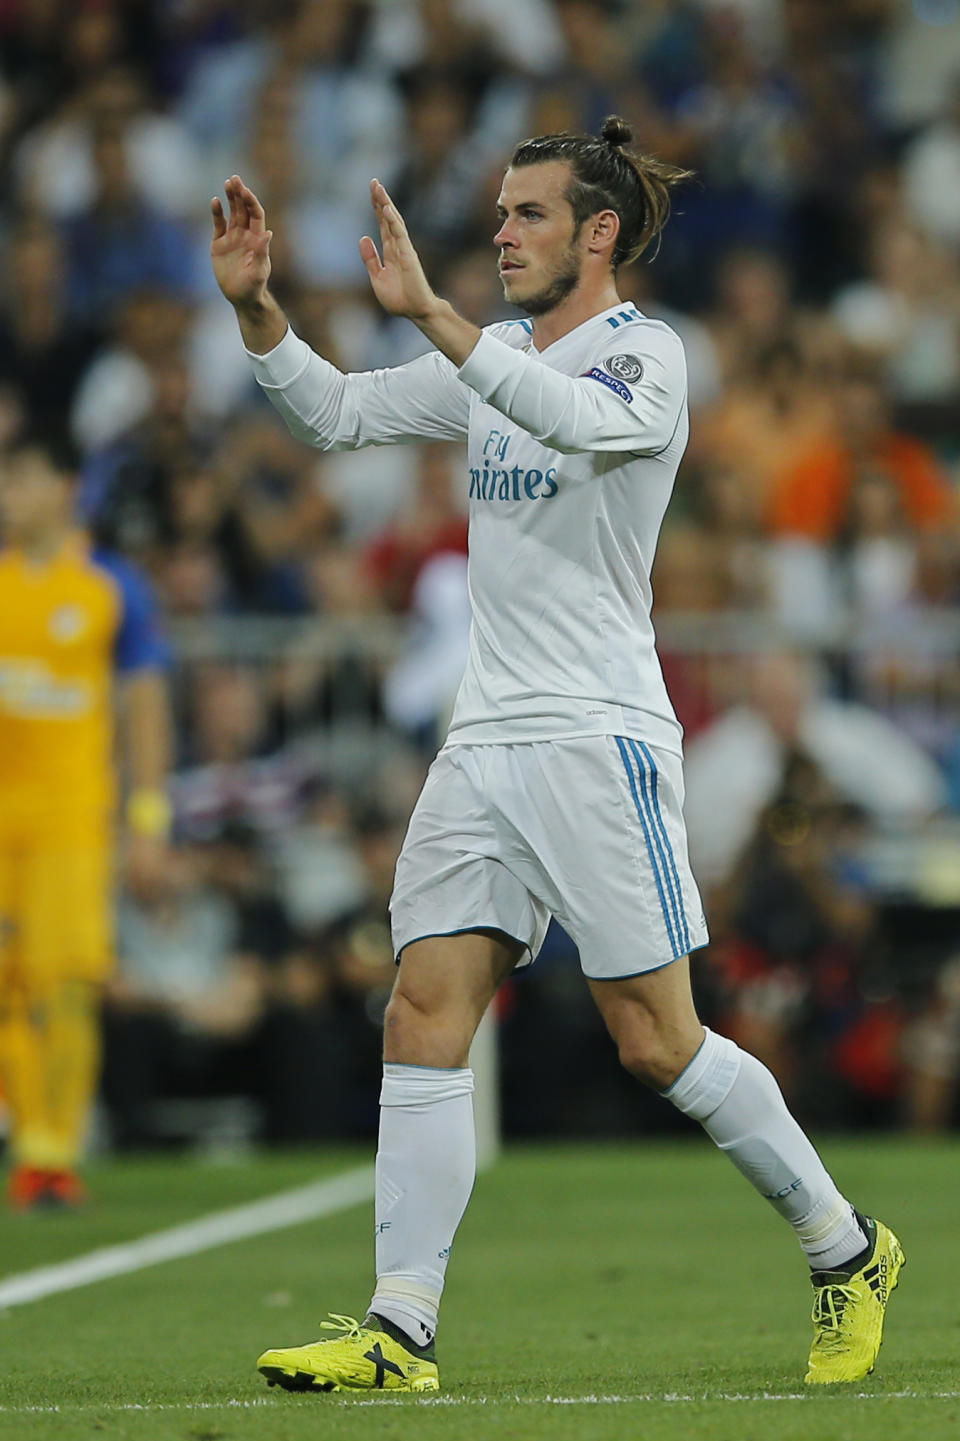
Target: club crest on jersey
pixel 67 623
pixel 628 368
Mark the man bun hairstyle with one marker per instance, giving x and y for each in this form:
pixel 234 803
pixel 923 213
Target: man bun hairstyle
pixel 615 131
pixel 606 176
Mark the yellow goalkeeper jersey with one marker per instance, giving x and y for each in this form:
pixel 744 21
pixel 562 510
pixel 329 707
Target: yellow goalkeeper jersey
pixel 68 624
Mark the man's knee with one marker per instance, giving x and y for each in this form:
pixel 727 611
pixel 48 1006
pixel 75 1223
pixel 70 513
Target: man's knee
pixel 640 1054
pixel 405 1015
pixel 656 1055
pixel 423 1030
pixel 653 1022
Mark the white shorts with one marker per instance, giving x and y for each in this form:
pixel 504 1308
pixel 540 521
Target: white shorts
pixel 588 830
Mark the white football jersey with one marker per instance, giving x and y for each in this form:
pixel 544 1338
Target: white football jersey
pixel 571 458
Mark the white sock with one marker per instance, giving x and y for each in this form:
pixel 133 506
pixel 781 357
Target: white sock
pixel 741 1108
pixel 426 1164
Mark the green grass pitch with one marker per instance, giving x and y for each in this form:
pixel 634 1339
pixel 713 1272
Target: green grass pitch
pixel 594 1293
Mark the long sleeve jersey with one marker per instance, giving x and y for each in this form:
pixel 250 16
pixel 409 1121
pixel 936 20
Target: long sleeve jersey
pixel 572 453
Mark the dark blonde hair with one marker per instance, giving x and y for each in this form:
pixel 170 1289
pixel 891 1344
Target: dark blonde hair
pixel 606 176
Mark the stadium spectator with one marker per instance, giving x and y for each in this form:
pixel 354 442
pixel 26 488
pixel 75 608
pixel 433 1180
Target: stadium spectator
pixel 105 256
pixel 182 1010
pixel 358 950
pixel 906 315
pixel 931 1050
pixel 433 524
pixel 234 777
pixel 813 496
pixel 776 407
pixel 420 688
pixel 436 33
pixel 752 310
pixel 43 350
pixel 66 165
pixel 442 148
pixel 338 108
pixel 116 392
pixel 794 932
pixel 735 765
pixel 931 173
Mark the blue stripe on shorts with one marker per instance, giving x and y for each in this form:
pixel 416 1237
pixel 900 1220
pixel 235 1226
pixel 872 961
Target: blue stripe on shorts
pixel 673 872
pixel 652 838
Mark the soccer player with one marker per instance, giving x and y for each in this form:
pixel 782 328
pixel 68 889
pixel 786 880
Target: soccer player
pixel 559 787
pixel 70 619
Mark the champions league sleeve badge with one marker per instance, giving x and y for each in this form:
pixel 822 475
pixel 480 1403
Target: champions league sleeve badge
pixel 616 372
pixel 628 368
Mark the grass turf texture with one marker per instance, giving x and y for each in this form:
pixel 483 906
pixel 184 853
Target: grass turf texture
pixel 639 1274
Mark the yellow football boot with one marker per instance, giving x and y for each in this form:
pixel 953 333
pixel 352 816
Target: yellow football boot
pixel 848 1310
pixel 365 1357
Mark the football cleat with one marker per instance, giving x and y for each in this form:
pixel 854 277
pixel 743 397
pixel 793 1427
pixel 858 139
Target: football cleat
pixel 849 1309
pixel 365 1357
pixel 35 1188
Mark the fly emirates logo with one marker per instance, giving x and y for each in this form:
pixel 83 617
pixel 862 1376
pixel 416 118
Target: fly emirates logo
pixel 493 481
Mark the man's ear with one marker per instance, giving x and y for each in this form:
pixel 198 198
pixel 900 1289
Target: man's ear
pixel 603 232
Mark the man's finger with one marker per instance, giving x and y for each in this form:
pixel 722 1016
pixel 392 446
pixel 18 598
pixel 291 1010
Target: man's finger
pixel 238 211
pixel 395 224
pixel 255 214
pixel 395 221
pixel 369 256
pixel 219 219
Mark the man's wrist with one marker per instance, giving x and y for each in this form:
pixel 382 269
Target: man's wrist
pixel 149 812
pixel 449 331
pixel 255 312
pixel 262 323
pixel 437 311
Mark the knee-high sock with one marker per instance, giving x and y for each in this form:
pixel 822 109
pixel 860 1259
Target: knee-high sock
pixel 72 1064
pixel 426 1164
pixel 22 1052
pixel 741 1107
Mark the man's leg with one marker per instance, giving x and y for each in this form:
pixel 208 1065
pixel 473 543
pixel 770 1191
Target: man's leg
pixel 67 953
pixel 426 1162
pixel 737 1101
pixel 854 1261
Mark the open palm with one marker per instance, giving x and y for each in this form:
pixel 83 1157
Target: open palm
pixel 398 280
pixel 240 250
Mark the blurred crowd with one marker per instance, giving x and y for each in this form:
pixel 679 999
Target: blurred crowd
pixel 813 272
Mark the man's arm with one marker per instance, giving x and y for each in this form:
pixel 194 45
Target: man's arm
pixel 240 253
pixel 144 729
pixel 592 412
pixel 146 748
pixel 420 401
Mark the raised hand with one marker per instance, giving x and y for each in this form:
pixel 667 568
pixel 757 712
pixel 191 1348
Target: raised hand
pixel 398 280
pixel 240 250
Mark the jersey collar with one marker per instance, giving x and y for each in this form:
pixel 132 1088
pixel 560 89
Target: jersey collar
pixel 612 313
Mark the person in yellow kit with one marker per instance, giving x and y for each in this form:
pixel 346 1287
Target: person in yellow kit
pixel 73 622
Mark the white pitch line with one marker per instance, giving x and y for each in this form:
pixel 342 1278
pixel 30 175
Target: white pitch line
pixel 341 1402
pixel 289 1208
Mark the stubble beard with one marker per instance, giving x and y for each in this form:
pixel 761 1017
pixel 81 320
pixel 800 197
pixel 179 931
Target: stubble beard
pixel 562 284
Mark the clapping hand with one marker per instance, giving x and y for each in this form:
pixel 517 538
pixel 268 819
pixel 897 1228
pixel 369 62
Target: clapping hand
pixel 240 250
pixel 398 280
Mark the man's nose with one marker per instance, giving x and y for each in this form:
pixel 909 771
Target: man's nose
pixel 504 236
